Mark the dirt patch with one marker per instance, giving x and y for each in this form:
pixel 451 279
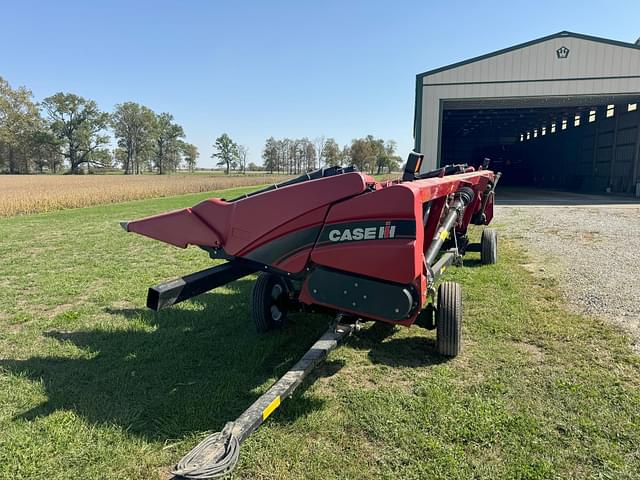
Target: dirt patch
pixel 531 350
pixel 58 309
pixel 591 236
pixel 535 269
pixel 165 473
pixel 123 305
pixel 14 328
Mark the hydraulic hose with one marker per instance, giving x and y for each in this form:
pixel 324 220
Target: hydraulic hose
pixel 460 201
pixel 479 218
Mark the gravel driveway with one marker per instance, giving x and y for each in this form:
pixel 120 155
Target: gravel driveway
pixel 591 244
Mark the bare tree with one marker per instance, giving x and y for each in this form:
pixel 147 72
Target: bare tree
pixel 243 152
pixel 320 143
pixel 191 155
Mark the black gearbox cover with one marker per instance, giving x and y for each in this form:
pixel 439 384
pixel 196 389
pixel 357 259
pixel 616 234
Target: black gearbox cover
pixel 367 296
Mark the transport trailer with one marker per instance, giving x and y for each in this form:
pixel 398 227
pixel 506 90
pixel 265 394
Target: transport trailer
pixel 333 240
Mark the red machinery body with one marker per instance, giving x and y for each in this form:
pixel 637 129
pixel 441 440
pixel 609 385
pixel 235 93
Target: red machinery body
pixel 344 242
pixel 333 240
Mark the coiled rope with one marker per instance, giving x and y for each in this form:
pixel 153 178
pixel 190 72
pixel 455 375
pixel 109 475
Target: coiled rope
pixel 213 457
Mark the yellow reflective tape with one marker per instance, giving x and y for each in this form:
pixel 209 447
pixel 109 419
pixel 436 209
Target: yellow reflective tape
pixel 444 235
pixel 442 270
pixel 270 408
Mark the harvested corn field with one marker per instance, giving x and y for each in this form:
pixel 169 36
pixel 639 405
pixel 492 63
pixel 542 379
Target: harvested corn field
pixel 21 194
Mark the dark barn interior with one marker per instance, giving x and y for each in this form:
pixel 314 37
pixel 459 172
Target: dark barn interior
pixel 588 144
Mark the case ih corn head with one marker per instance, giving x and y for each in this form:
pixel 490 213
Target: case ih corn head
pixel 333 240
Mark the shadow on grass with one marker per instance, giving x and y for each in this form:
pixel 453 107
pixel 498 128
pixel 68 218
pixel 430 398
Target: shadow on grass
pixel 186 369
pixel 191 368
pixel 472 262
pixel 395 352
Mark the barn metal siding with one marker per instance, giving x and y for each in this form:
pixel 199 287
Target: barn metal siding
pixel 533 71
pixel 594 156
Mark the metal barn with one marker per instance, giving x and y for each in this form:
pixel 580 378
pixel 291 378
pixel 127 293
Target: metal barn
pixel 561 111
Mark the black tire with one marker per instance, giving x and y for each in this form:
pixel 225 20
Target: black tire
pixel 489 246
pixel 449 319
pixel 269 302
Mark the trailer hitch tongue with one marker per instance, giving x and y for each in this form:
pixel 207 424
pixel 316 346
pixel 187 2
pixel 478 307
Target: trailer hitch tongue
pixel 217 454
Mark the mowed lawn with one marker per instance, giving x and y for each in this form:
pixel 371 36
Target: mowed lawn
pixel 92 385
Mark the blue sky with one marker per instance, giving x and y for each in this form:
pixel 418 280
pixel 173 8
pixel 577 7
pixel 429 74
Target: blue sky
pixel 284 68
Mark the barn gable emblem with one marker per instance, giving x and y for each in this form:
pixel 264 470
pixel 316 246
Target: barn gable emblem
pixel 562 52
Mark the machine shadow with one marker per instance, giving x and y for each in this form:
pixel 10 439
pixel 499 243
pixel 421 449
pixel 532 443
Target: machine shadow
pixel 473 262
pixel 411 351
pixel 189 368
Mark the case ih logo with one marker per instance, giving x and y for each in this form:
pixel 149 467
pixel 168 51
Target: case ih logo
pixel 366 233
pixel 562 52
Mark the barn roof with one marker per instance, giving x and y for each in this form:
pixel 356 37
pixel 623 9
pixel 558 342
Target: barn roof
pixel 563 34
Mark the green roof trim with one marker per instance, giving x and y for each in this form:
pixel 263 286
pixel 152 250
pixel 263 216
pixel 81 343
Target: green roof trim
pixel 417 119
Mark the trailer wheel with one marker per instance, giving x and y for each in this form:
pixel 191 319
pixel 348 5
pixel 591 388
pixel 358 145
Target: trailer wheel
pixel 269 303
pixel 449 319
pixel 489 246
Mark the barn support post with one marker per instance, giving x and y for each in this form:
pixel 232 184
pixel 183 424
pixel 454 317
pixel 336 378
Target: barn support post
pixel 614 146
pixel 596 134
pixel 438 159
pixel 636 161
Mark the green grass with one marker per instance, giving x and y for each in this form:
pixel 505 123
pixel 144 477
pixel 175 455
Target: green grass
pixel 92 385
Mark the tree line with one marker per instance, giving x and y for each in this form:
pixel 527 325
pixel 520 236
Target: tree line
pixel 68 131
pixel 65 127
pixel 293 156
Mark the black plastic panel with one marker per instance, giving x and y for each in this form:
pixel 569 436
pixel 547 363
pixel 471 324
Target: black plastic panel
pixel 360 294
